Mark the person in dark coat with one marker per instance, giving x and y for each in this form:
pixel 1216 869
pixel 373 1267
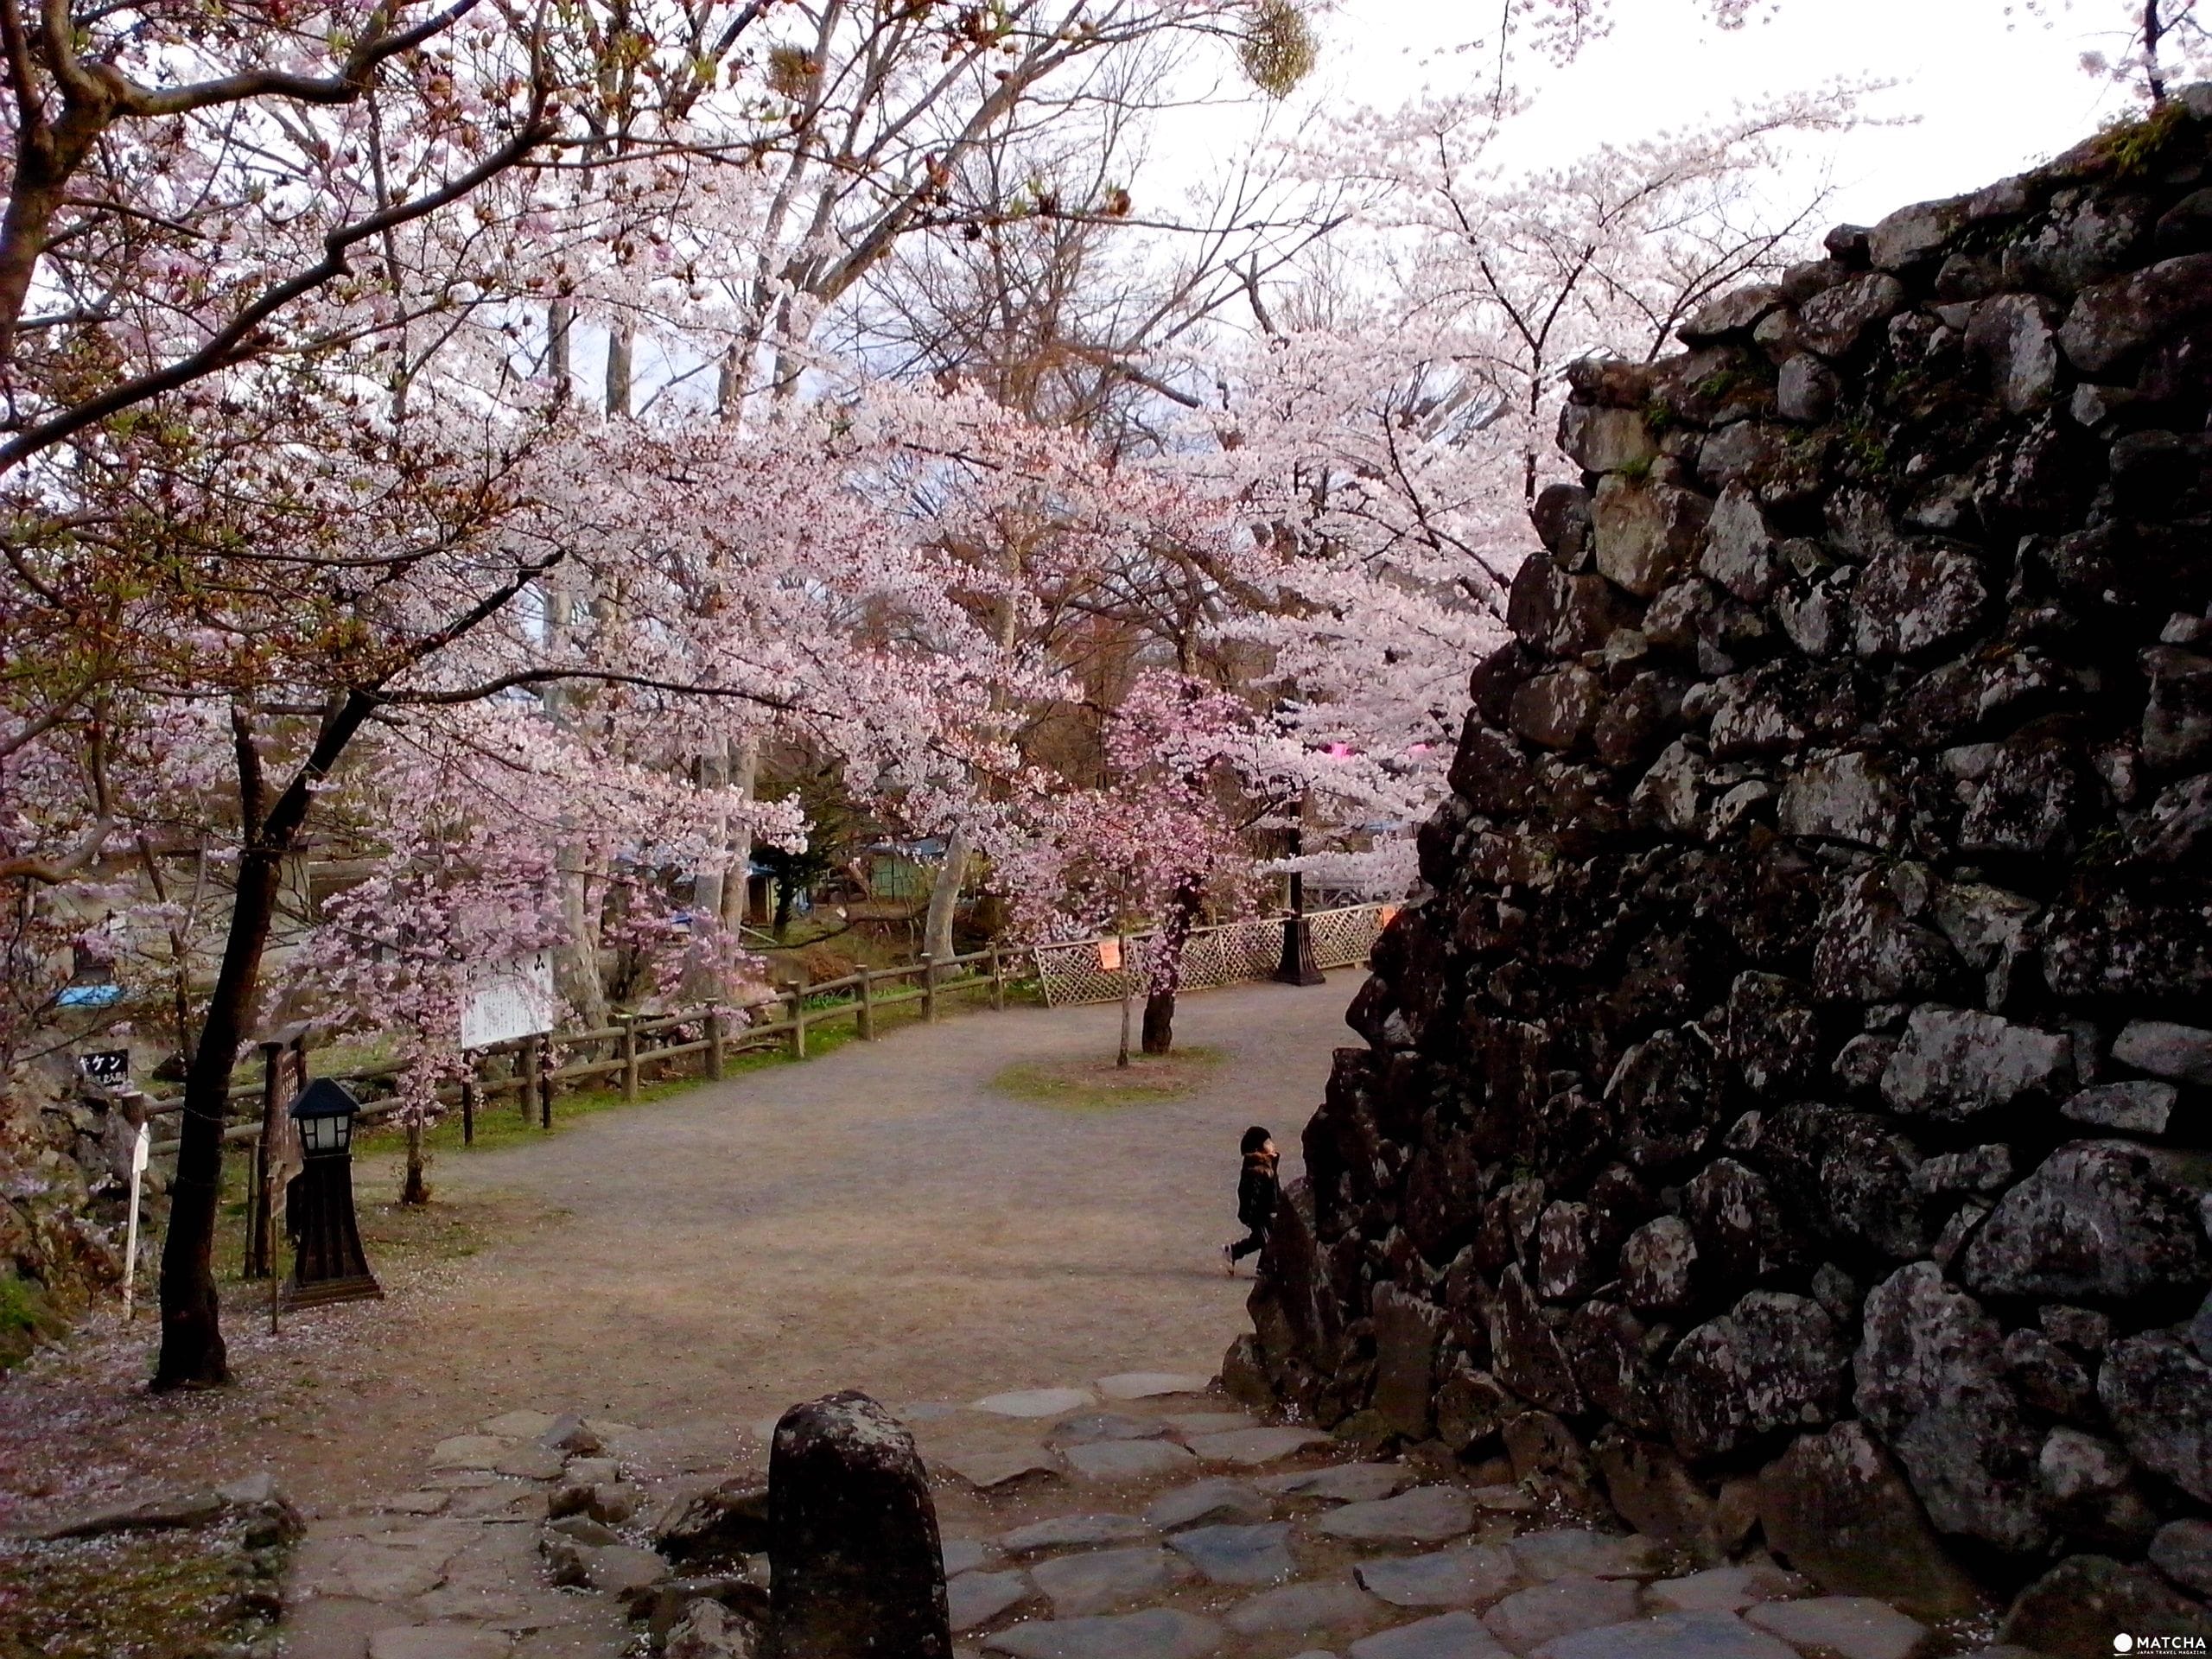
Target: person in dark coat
pixel 1258 1191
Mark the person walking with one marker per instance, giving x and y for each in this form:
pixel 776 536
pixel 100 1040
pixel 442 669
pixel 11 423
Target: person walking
pixel 1258 1191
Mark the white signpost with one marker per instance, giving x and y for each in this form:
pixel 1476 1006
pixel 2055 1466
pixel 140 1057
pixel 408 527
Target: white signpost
pixel 140 1150
pixel 508 1000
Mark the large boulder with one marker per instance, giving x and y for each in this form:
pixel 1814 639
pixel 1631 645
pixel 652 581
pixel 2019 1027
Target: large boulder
pixel 2099 1222
pixel 2159 1394
pixel 1772 1362
pixel 1646 534
pixel 856 1568
pixel 2075 1610
pixel 1406 1332
pixel 2113 321
pixel 1834 1507
pixel 1957 1063
pixel 1929 1383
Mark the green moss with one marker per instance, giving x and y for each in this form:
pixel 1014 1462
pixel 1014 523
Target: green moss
pixel 1657 417
pixel 1865 449
pixel 27 1318
pixel 1719 384
pixel 1635 471
pixel 2128 147
pixel 2103 848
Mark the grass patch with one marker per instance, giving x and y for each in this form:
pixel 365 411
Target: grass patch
pixel 500 1123
pixel 1097 1085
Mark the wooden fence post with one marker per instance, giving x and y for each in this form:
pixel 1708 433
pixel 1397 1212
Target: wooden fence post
pixel 541 1048
pixel 260 1217
pixel 795 1011
pixel 629 1055
pixel 998 978
pixel 866 1017
pixel 468 1107
pixel 525 1064
pixel 714 1042
pixel 929 988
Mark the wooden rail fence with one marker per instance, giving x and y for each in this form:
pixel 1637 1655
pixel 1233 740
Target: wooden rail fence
pixel 532 1068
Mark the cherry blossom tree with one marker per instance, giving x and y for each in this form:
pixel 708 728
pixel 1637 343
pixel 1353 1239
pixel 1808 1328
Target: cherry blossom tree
pixel 1382 430
pixel 1164 836
pixel 2154 39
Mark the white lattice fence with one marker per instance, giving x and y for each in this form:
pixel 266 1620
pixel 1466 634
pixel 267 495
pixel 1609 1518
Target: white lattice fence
pixel 1104 970
pixel 1342 937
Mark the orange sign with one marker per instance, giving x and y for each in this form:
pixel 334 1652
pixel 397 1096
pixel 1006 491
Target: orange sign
pixel 1110 956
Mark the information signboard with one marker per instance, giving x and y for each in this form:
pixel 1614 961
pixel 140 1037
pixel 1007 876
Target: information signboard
pixel 109 1067
pixel 510 999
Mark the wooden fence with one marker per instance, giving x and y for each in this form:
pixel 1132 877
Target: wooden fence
pixel 532 1069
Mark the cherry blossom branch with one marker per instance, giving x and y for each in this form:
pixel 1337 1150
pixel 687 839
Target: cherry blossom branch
pixel 231 342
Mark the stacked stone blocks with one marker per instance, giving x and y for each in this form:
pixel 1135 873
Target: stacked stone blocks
pixel 1785 1106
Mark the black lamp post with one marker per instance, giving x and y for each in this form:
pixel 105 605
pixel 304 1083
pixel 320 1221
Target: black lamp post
pixel 1297 967
pixel 329 1264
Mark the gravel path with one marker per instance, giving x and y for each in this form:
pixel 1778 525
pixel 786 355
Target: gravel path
pixel 883 1219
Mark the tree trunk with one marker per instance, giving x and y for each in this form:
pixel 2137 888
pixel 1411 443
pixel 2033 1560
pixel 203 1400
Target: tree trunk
pixel 1167 967
pixel 193 1354
pixel 1129 997
pixel 945 896
pixel 701 981
pixel 787 893
pixel 558 317
pixel 744 770
pixel 417 1191
pixel 576 959
pixel 620 341
pixel 1159 1022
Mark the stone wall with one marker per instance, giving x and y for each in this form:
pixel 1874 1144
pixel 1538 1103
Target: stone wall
pixel 65 1175
pixel 1787 1106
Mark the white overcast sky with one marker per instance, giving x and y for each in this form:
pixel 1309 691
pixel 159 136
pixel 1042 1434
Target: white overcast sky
pixel 1989 100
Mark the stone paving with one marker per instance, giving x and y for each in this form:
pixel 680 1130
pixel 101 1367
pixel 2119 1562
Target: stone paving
pixel 528 1537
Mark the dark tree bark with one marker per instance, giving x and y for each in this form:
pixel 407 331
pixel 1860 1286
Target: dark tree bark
pixel 1167 970
pixel 417 1191
pixel 192 1353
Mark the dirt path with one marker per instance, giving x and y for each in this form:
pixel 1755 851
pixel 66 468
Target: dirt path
pixel 880 1218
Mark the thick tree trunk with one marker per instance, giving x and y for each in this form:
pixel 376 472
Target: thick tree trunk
pixel 193 1354
pixel 1167 967
pixel 945 896
pixel 576 959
